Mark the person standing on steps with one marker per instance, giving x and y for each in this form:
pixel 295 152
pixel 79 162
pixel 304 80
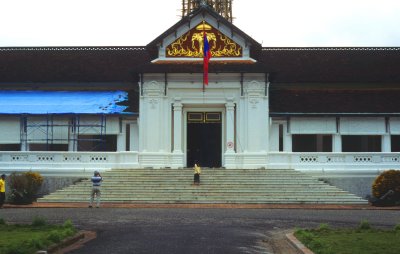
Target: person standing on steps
pixel 96 183
pixel 2 190
pixel 197 172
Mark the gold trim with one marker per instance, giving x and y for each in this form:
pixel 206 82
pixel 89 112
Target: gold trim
pixel 213 119
pixel 191 44
pixel 195 117
pixel 203 27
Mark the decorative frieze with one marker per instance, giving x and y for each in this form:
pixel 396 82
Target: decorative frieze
pixel 153 89
pixel 254 89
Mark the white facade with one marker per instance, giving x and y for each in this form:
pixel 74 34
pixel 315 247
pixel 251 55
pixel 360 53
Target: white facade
pixel 244 110
pixel 249 136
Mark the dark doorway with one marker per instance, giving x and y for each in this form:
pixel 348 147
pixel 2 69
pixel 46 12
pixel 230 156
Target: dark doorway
pixel 204 139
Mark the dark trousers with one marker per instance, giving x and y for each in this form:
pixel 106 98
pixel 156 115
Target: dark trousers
pixel 196 178
pixel 2 198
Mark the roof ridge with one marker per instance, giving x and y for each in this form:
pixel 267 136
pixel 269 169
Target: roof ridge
pixel 73 48
pixel 330 48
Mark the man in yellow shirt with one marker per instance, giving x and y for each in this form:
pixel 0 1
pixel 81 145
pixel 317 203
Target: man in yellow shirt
pixel 2 190
pixel 197 172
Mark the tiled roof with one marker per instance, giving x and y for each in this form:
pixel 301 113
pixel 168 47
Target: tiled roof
pixel 71 64
pixel 335 100
pixel 332 64
pixel 331 48
pixel 135 48
pixel 105 64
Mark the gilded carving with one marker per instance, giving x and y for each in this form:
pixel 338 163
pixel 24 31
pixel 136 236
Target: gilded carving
pixel 191 44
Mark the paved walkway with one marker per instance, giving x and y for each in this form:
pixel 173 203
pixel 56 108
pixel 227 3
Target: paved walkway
pixel 224 206
pixel 127 228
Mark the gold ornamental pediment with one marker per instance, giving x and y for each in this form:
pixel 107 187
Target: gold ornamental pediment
pixel 191 44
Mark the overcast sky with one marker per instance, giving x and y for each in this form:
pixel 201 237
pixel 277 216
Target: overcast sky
pixel 275 23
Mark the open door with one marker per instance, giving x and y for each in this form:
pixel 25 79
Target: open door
pixel 204 133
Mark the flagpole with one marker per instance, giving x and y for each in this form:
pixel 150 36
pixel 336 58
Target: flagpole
pixel 204 88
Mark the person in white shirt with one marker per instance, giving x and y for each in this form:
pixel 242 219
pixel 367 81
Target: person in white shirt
pixel 96 181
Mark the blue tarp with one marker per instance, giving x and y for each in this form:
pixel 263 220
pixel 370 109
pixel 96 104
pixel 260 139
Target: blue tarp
pixel 62 102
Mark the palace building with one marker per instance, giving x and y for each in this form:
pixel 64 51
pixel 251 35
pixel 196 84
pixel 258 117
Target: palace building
pixel 72 109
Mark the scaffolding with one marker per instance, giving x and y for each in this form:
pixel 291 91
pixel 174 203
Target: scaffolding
pixel 40 129
pixel 222 7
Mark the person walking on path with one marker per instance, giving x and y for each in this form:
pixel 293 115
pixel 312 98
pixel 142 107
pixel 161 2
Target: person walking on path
pixel 2 190
pixel 197 172
pixel 96 183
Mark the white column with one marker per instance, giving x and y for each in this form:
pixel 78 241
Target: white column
pixel 121 139
pixel 256 114
pixel 386 143
pixel 287 137
pixel 337 143
pixel 230 127
pixel 287 142
pixel 72 145
pixel 178 127
pixel 24 147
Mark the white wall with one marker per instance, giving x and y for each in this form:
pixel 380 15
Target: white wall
pixel 312 125
pixel 395 125
pixel 155 117
pixel 274 137
pixel 9 130
pixel 362 126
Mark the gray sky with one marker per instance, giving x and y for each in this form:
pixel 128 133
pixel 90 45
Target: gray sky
pixel 274 23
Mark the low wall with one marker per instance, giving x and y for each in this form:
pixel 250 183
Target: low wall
pixel 360 186
pixel 66 162
pixel 50 184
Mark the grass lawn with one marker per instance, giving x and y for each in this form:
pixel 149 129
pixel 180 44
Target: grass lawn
pixel 18 239
pixel 363 240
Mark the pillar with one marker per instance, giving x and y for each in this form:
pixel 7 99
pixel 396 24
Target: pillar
pixel 178 127
pixel 230 127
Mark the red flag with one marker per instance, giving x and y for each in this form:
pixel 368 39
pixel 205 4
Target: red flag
pixel 206 58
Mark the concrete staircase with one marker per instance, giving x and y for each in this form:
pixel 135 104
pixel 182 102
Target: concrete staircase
pixel 218 186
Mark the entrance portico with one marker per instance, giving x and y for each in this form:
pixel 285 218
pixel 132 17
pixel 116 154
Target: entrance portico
pixel 235 141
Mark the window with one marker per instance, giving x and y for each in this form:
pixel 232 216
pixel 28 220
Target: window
pixel 97 143
pixel 48 147
pixel 311 143
pixel 395 140
pixel 281 138
pixel 10 147
pixel 128 137
pixel 361 143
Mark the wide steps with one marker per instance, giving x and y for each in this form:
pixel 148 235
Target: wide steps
pixel 257 186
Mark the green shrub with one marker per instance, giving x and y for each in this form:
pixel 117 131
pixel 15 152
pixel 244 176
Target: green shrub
pixel 24 187
pixel 39 222
pixel 68 224
pixel 37 244
pixel 323 227
pixel 397 227
pixel 306 236
pixel 364 225
pixel 17 249
pixel 388 180
pixel 55 236
pixel 68 232
pixel 2 221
